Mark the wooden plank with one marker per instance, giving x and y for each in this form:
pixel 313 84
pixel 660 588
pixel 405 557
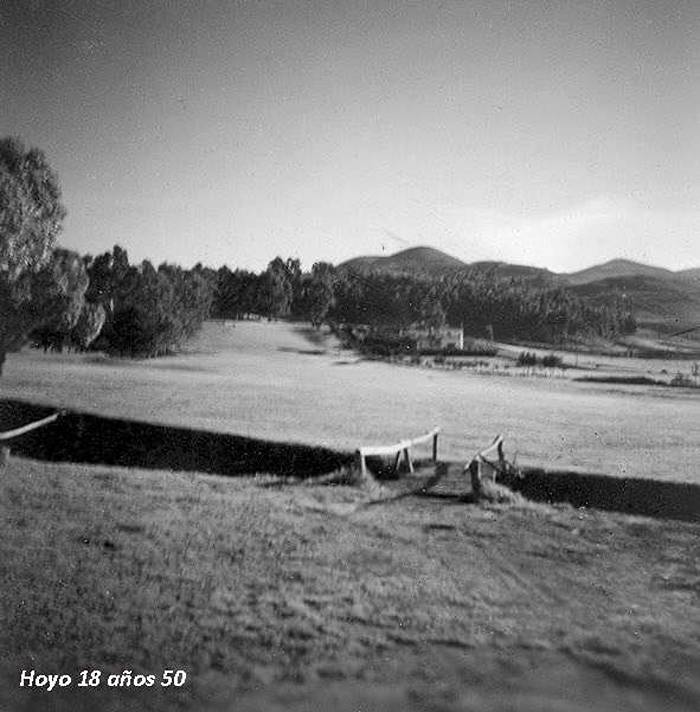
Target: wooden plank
pixel 475 466
pixel 497 444
pixel 8 435
pixel 360 460
pixel 381 450
pixel 424 438
pixel 391 449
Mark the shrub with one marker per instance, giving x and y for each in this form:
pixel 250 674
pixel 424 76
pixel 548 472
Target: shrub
pixel 681 380
pixel 552 361
pixel 525 358
pixel 388 345
pixel 480 348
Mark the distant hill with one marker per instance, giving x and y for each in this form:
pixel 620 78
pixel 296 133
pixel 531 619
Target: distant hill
pixel 535 275
pixel 616 268
pixel 658 298
pixel 428 260
pixel 416 260
pixel 666 304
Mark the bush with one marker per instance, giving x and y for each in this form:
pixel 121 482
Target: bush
pixel 682 381
pixel 525 358
pixel 552 361
pixel 149 311
pixel 388 345
pixel 476 349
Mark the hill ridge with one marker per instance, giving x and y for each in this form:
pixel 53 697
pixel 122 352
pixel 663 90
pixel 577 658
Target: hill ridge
pixel 424 258
pixel 617 267
pixel 658 297
pixel 414 259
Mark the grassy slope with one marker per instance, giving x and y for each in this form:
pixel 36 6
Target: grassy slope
pixel 297 598
pixel 415 259
pixel 671 304
pixel 657 297
pixel 267 380
pixel 618 268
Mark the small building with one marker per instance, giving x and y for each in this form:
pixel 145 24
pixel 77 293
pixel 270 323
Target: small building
pixel 446 338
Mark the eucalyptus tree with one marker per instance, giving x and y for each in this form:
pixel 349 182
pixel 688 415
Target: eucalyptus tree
pixel 35 283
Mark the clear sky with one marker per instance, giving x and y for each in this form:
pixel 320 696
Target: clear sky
pixel 556 134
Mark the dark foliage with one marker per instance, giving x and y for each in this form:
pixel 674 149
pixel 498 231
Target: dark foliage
pixel 481 302
pixel 35 283
pixel 56 300
pixel 552 361
pixel 525 358
pixel 148 311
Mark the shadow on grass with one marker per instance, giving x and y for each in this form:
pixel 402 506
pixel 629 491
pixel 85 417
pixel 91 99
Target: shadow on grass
pixel 85 438
pixel 302 352
pixel 91 439
pixel 318 337
pixel 644 497
pixel 650 498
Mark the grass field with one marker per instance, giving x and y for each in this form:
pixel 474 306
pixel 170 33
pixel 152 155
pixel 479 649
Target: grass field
pixel 275 596
pixel 273 381
pixel 309 598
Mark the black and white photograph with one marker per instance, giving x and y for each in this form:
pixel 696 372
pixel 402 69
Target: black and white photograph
pixel 349 355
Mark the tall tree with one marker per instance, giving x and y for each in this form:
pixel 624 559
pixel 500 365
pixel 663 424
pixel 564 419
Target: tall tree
pixel 56 300
pixel 320 292
pixel 89 325
pixel 31 218
pixel 277 289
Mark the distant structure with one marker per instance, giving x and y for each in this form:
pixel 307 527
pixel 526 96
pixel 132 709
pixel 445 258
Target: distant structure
pixel 444 338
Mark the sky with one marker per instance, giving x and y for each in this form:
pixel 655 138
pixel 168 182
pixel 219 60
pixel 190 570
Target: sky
pixel 556 134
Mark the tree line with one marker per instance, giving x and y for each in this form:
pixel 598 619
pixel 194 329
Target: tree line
pixel 479 302
pixel 144 311
pixel 281 290
pixel 60 299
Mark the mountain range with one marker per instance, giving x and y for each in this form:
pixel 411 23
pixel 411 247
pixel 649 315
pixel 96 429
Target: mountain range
pixel 659 298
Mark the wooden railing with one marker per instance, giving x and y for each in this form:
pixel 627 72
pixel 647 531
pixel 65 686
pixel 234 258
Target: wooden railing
pixel 10 434
pixel 482 463
pixel 496 446
pixel 402 448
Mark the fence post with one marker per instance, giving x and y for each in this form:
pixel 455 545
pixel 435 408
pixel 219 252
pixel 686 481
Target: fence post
pixel 475 476
pixel 400 450
pixel 360 461
pixel 409 462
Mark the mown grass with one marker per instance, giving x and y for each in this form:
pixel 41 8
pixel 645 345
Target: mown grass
pixel 295 596
pixel 255 379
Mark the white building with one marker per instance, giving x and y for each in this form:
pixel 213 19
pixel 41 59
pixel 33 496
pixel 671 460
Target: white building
pixel 444 338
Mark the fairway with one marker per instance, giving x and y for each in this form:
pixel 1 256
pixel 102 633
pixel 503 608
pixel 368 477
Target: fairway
pixel 349 357
pixel 274 595
pixel 271 380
